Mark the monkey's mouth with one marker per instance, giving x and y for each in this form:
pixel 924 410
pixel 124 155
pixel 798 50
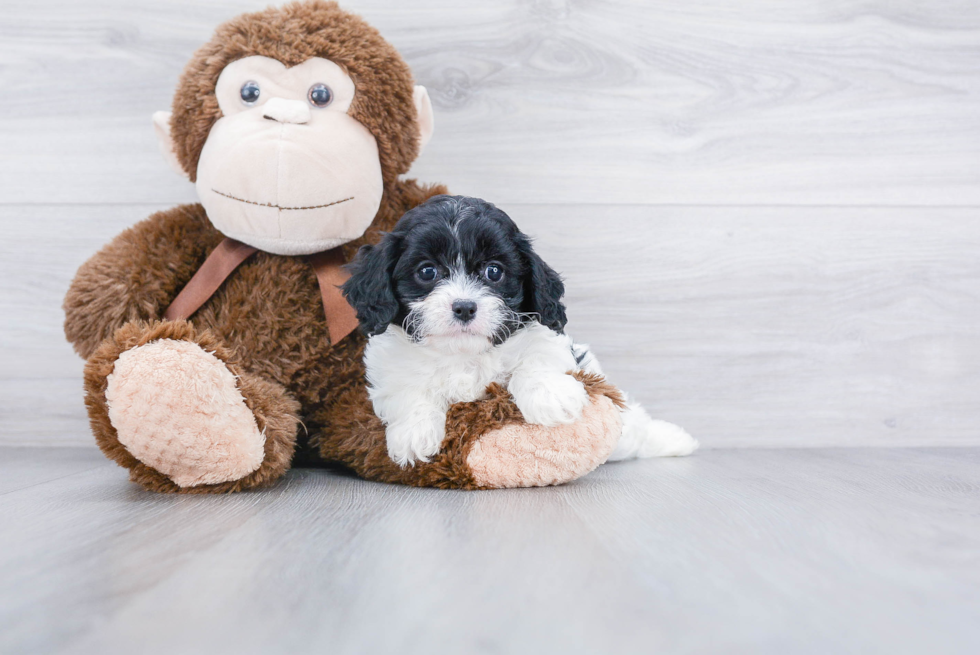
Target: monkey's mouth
pixel 266 204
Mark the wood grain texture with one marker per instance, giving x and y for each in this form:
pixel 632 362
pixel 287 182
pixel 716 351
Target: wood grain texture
pixel 748 326
pixel 750 318
pixel 706 102
pixel 729 551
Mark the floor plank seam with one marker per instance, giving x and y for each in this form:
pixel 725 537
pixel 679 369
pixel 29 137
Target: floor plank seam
pixel 50 480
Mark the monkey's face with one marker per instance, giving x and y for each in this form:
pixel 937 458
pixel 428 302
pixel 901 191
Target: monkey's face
pixel 286 169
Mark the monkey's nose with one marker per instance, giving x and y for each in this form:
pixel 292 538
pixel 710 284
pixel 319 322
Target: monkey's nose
pixel 286 111
pixel 464 310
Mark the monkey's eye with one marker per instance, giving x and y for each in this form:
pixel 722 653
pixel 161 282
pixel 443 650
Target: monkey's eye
pixel 427 273
pixel 494 272
pixel 320 95
pixel 250 92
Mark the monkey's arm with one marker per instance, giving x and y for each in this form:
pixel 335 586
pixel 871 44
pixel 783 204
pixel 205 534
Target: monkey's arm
pixel 487 445
pixel 136 275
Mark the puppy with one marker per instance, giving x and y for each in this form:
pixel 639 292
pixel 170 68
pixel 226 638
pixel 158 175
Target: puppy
pixel 455 298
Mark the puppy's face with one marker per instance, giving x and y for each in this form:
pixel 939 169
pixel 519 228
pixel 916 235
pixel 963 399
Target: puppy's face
pixel 454 270
pixel 459 275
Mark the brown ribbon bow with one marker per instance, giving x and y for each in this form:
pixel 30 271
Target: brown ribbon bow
pixel 229 255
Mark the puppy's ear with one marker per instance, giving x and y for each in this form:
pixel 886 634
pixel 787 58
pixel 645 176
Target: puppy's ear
pixel 369 289
pixel 543 290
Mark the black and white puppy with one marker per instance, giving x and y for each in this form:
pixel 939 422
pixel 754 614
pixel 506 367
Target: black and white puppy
pixel 455 298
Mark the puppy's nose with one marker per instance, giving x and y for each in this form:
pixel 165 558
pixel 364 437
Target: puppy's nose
pixel 464 310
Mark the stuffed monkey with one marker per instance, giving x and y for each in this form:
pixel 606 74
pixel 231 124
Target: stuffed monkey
pixel 219 349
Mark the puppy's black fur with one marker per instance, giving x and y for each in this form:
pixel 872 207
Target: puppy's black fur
pixel 456 235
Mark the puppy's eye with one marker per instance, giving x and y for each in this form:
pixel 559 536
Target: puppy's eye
pixel 320 95
pixel 427 273
pixel 493 272
pixel 250 92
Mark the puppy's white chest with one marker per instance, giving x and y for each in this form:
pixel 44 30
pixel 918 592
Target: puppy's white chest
pixel 465 379
pixel 398 367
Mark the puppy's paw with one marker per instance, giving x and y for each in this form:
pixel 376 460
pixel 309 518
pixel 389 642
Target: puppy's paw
pixel 413 441
pixel 551 400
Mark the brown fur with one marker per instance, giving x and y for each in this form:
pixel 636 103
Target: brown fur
pixel 292 34
pixel 266 322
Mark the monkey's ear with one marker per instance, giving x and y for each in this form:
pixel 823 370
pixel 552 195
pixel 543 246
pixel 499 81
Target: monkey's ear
pixel 423 107
pixel 161 127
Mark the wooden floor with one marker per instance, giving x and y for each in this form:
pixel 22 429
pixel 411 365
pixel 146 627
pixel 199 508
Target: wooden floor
pixel 730 551
pixel 768 216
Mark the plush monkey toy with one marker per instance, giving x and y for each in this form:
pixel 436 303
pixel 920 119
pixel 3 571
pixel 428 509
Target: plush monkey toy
pixel 219 348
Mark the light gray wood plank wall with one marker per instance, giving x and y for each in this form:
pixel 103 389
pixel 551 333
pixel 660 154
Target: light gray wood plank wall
pixel 749 326
pixel 717 102
pixel 766 211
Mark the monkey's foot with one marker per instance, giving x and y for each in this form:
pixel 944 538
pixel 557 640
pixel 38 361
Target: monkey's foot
pixel 178 409
pixel 527 455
